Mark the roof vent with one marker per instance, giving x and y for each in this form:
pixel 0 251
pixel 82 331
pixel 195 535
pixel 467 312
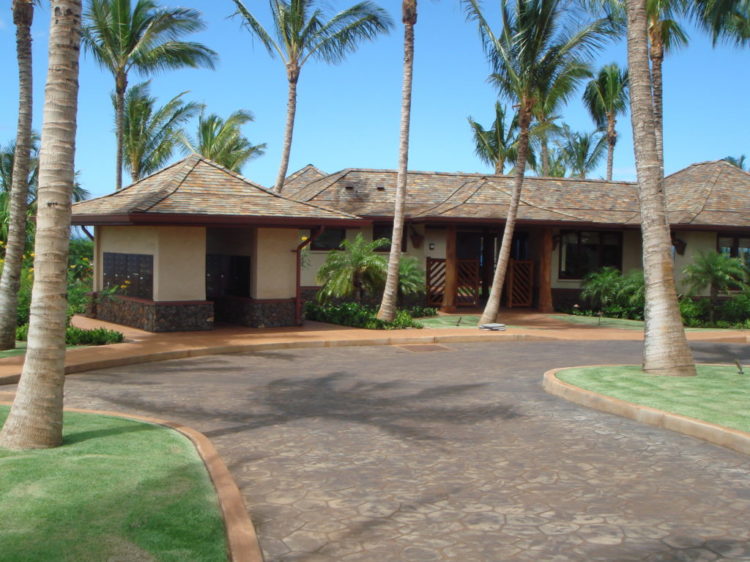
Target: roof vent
pixel 381 188
pixel 349 187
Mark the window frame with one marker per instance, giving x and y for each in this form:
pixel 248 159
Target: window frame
pixel 562 275
pixel 734 250
pixel 315 247
pixel 389 228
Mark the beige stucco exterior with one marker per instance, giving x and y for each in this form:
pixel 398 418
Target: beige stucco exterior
pixel 274 269
pixel 696 242
pixel 179 257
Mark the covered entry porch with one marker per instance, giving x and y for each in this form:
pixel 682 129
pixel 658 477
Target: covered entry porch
pixel 463 277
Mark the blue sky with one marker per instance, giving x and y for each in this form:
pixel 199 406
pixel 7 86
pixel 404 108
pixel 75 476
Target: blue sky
pixel 348 114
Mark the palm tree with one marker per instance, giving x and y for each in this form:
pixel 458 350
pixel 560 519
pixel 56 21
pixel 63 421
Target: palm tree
pixel 665 349
pixel 150 133
pixel 582 151
pixel 10 279
pixel 387 310
pixel 498 145
pixel 724 19
pixel 532 44
pixel 737 161
pixel 222 140
pixel 719 272
pixel 303 33
pixel 35 419
pixel 144 37
pixel 355 270
pixel 606 97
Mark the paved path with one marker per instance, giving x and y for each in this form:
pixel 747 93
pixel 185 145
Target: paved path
pixel 444 452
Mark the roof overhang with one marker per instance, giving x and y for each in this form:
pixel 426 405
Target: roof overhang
pixel 154 219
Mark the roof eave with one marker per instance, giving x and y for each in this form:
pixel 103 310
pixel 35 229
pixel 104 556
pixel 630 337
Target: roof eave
pixel 173 219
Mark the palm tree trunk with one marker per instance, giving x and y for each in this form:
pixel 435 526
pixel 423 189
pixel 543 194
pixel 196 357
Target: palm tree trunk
pixel 121 85
pixel 545 156
pixel 35 420
pixel 23 16
pixel 492 307
pixel 387 311
pixel 499 166
pixel 611 141
pixel 666 351
pixel 657 59
pixel 291 111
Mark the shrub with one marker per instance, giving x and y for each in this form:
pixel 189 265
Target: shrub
pixel 358 316
pixel 694 312
pixel 736 310
pixel 79 336
pixel 615 295
pixel 422 311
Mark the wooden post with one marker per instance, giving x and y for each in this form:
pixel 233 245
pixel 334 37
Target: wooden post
pixel 451 272
pixel 545 273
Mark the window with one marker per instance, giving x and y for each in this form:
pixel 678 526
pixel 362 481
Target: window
pixel 132 273
pixel 736 247
pixel 583 252
pixel 385 230
pixel 329 239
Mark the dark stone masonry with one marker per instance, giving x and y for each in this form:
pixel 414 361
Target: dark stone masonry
pixel 255 313
pixel 156 316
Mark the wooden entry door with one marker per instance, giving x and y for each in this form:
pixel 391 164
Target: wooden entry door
pixel 520 283
pixel 467 285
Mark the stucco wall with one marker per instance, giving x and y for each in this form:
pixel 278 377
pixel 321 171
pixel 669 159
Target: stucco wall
pixel 179 257
pixel 181 271
pixel 697 241
pixel 274 269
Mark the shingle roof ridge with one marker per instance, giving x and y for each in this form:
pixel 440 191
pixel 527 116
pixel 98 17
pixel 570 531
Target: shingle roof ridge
pixel 717 174
pixel 173 184
pixel 232 173
pixel 455 191
pixel 299 172
pixel 720 162
pixel 334 177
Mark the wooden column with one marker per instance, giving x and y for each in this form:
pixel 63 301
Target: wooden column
pixel 545 272
pixel 451 271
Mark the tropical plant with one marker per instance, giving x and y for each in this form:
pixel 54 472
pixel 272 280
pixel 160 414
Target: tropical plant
pixel 614 294
pixel 411 277
pixel 302 33
pixel 737 161
pixel 355 270
pixel 724 19
pixel 387 310
pixel 600 287
pixel 122 37
pixel 715 271
pixel 7 165
pixel 497 145
pixel 222 140
pixel 151 133
pixel 14 204
pixel 35 419
pixel 582 151
pixel 535 43
pixel 665 349
pixel 606 97
pixel 557 163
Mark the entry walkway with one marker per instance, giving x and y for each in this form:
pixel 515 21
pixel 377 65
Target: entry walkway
pixel 144 347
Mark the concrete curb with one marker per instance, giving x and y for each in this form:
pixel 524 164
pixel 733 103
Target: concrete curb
pixel 718 435
pixel 242 541
pixel 136 359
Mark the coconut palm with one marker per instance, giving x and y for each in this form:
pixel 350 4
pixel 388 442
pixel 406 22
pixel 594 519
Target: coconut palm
pixel 582 151
pixel 665 349
pixel 303 33
pixel 35 419
pixel 151 133
pixel 387 310
pixel 717 272
pixel 724 19
pixel 737 161
pixel 534 41
pixel 144 37
pixel 7 163
pixel 355 270
pixel 23 16
pixel 498 145
pixel 222 140
pixel 606 97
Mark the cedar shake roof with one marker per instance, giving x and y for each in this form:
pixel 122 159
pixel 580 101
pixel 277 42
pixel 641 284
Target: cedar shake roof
pixel 704 194
pixel 197 190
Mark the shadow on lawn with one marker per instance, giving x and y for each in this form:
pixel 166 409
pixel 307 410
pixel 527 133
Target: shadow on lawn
pixel 339 397
pixel 80 436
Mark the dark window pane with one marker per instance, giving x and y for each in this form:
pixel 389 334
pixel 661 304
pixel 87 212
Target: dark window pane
pixel 584 252
pixel 132 274
pixel 385 230
pixel 329 239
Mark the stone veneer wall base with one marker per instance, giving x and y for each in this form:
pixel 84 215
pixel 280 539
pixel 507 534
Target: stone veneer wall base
pixel 154 316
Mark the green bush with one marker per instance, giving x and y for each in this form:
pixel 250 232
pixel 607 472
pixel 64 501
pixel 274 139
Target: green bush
pixel 736 310
pixel 422 311
pixel 615 295
pixel 358 316
pixel 79 336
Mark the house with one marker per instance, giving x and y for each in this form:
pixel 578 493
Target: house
pixel 195 243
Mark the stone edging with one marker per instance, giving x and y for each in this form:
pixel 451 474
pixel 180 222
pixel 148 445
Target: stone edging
pixel 718 435
pixel 242 542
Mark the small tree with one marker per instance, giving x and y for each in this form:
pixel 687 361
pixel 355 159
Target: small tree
pixel 355 270
pixel 719 272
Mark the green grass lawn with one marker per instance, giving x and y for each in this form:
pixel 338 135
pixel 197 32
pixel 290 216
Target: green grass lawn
pixel 453 321
pixel 19 350
pixel 116 490
pixel 718 394
pixel 605 322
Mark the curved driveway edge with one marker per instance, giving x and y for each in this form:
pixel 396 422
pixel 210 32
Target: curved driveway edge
pixel 242 542
pixel 718 435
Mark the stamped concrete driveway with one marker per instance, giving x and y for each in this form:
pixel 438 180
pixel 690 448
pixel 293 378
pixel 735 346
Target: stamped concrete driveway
pixel 449 452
